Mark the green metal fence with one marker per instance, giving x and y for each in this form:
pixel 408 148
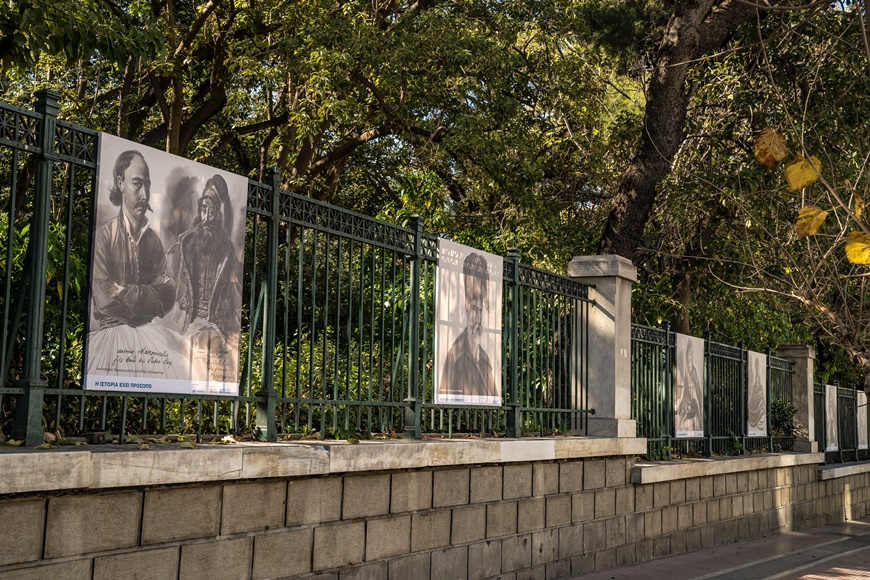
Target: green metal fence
pixel 725 398
pixel 337 325
pixel 846 424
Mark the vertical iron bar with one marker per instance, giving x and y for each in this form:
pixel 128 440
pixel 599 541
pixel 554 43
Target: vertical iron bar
pixel 265 429
pixel 514 426
pixel 412 402
pixel 28 410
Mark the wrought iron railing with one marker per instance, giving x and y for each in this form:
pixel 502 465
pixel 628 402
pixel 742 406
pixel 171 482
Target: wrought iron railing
pixel 724 392
pixel 845 427
pixel 337 321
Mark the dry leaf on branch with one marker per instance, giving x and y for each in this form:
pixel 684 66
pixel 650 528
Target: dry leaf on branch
pixel 858 248
pixel 769 148
pixel 799 173
pixel 810 219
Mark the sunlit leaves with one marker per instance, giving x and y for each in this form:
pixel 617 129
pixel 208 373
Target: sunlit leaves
pixel 858 248
pixel 810 219
pixel 801 172
pixel 769 148
pixel 858 206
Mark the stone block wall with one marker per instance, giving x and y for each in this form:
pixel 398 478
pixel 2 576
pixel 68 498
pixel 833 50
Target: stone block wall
pixel 541 519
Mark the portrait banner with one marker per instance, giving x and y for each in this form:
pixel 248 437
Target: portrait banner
pixel 756 395
pixel 468 304
pixel 831 440
pixel 166 274
pixel 689 387
pixel 862 420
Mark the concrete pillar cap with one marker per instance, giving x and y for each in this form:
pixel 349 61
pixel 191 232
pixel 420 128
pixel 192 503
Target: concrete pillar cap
pixel 606 266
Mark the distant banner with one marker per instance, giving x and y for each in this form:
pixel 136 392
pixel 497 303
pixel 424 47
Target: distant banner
pixel 832 442
pixel 756 395
pixel 468 296
pixel 166 274
pixel 689 387
pixel 862 420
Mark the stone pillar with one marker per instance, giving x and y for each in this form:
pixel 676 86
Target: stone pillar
pixel 609 360
pixel 802 394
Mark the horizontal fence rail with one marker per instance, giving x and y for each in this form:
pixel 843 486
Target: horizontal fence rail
pixel 338 318
pixel 653 362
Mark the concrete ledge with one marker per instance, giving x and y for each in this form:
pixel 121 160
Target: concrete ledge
pixel 674 470
pixel 843 470
pixel 27 470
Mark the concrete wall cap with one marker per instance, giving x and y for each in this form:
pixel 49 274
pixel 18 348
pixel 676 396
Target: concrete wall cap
pixel 843 470
pixel 589 267
pixel 108 467
pixel 658 472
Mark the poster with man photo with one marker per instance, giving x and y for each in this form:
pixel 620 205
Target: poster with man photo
pixel 166 274
pixel 862 420
pixel 468 295
pixel 832 442
pixel 689 387
pixel 756 395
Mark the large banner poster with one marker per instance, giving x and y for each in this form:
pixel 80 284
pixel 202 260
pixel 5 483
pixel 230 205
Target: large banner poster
pixel 756 395
pixel 831 415
pixel 468 300
pixel 862 420
pixel 689 387
pixel 166 274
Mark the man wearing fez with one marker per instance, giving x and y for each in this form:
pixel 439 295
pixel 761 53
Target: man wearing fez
pixel 467 369
pixel 130 284
pixel 204 267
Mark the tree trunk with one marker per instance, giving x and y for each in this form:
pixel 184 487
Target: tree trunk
pixel 695 27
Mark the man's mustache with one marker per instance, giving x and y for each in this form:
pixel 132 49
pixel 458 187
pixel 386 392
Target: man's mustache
pixel 143 204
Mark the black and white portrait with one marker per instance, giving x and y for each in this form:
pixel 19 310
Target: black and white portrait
pixel 688 387
pixel 165 307
pixel 832 442
pixel 756 395
pixel 862 420
pixel 468 327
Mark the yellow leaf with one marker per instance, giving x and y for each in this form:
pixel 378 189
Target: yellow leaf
pixel 858 248
pixel 859 206
pixel 769 148
pixel 143 447
pixel 182 439
pixel 44 446
pixel 810 219
pixel 799 173
pixel 187 445
pixel 135 439
pixel 14 443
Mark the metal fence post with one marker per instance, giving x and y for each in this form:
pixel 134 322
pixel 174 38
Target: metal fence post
pixel 669 426
pixel 413 409
pixel 28 411
pixel 708 393
pixel 266 429
pixel 514 423
pixel 768 408
pixel 744 398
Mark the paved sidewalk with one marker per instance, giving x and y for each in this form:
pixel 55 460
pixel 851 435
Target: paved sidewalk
pixel 841 551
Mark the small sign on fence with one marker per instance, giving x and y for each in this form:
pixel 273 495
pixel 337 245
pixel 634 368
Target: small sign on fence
pixel 689 390
pixel 756 395
pixel 831 418
pixel 862 420
pixel 166 274
pixel 468 326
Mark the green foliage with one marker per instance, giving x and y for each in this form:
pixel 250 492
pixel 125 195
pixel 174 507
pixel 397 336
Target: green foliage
pixel 782 415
